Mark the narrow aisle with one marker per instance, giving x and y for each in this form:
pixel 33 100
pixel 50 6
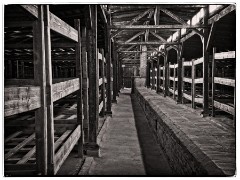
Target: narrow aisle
pixel 122 152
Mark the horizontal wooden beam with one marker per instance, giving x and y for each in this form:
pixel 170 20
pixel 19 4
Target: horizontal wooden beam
pixel 137 51
pixel 21 99
pixel 224 81
pixel 148 43
pixel 140 27
pixel 61 27
pixel 62 89
pixel 224 107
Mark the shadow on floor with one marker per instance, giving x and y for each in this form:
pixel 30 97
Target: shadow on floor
pixel 155 162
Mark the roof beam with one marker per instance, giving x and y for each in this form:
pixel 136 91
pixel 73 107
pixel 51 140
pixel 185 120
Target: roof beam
pixel 178 19
pixel 140 27
pixel 133 21
pixel 148 43
pixel 134 37
pixel 223 13
pixel 211 36
pixel 136 51
pixel 31 9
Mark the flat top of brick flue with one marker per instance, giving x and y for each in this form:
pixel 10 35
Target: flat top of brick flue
pixel 214 140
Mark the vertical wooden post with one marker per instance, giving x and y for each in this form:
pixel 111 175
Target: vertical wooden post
pixel 103 82
pixel 183 89
pixel 48 62
pixel 213 84
pixel 9 69
pixel 205 63
pixel 158 75
pixel 179 70
pixel 17 70
pixel 40 79
pixel 152 74
pixel 79 92
pixel 174 81
pixel 166 75
pixel 193 85
pixel 108 60
pixel 85 85
pixel 147 75
pixel 22 69
pixel 120 76
pixel 114 75
pixel 92 148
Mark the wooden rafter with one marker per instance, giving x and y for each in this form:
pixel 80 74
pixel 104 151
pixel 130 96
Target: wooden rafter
pixel 178 19
pixel 133 21
pixel 134 37
pixel 148 43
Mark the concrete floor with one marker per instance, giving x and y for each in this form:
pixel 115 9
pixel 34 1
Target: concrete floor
pixel 128 146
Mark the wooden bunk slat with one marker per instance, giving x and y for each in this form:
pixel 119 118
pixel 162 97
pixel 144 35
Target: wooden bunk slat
pixel 198 81
pixel 59 26
pixel 224 107
pixel 27 156
pixel 65 88
pixel 19 146
pixel 21 99
pixel 187 63
pixel 100 107
pixel 225 55
pixel 66 148
pixel 9 138
pixel 189 97
pixel 189 80
pixel 198 61
pixel 224 81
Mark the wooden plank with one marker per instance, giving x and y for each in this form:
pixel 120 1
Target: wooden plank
pixel 199 81
pixel 61 27
pixel 141 27
pixel 134 20
pixel 198 61
pixel 9 138
pixel 21 99
pixel 199 100
pixel 225 55
pixel 100 82
pixel 100 107
pixel 103 83
pixel 31 9
pixel 189 97
pixel 187 63
pixel 61 139
pixel 181 79
pixel 224 107
pixel 224 81
pixel 27 156
pixel 19 146
pixel 66 148
pixel 223 13
pixel 65 88
pixel 188 80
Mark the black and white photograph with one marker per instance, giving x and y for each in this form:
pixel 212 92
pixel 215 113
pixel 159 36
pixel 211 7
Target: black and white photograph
pixel 121 90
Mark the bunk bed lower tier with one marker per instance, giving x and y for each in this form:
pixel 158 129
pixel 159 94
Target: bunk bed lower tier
pixel 20 146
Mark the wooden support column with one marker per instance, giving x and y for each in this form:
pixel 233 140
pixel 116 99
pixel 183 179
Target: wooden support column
pixel 179 70
pixel 40 79
pixel 148 75
pixel 17 69
pixel 108 60
pixel 158 75
pixel 213 84
pixel 9 75
pixel 120 76
pixel 48 62
pixel 91 147
pixel 152 74
pixel 183 89
pixel 103 82
pixel 114 100
pixel 174 81
pixel 85 85
pixel 79 92
pixel 117 72
pixel 166 75
pixel 22 69
pixel 205 64
pixel 193 85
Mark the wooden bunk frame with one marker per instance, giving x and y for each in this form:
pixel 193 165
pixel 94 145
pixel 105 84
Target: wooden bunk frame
pixel 216 103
